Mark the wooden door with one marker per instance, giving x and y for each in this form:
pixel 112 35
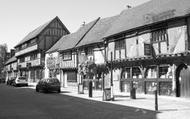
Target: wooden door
pixel 185 83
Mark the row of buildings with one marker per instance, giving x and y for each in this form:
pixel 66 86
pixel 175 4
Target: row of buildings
pixel 146 46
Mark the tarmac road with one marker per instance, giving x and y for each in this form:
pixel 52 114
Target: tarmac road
pixel 25 103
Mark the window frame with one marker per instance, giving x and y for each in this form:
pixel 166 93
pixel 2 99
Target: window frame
pixel 68 54
pixel 158 36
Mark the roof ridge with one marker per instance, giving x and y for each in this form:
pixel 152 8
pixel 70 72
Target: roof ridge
pixel 87 31
pixel 46 24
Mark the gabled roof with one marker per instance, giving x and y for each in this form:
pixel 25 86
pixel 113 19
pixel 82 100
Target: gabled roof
pixel 69 41
pixel 37 31
pixel 96 34
pixel 12 59
pixel 148 13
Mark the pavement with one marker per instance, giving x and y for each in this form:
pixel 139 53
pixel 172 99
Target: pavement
pixel 168 107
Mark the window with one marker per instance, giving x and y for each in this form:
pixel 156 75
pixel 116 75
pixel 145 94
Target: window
pixel 71 76
pixel 147 49
pixel 136 73
pixel 89 51
pixel 67 55
pixel 33 56
pixel 160 41
pixel 33 41
pixel 22 59
pixel 24 46
pixel 165 72
pixel 120 44
pixel 151 72
pixel 159 35
pixel 126 73
pixel 119 49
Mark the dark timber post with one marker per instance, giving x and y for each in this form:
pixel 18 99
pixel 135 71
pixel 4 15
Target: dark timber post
pixel 156 89
pixel 112 95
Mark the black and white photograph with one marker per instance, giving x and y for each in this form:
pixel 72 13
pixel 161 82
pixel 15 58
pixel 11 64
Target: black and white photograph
pixel 94 59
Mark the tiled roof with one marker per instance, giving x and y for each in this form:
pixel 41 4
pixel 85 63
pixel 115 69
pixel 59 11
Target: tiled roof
pixel 148 13
pixel 96 33
pixel 69 41
pixel 36 32
pixel 12 59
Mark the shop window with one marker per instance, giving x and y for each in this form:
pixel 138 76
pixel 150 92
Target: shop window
pixel 165 72
pixel 67 56
pixel 71 76
pixel 126 73
pixel 151 72
pixel 136 73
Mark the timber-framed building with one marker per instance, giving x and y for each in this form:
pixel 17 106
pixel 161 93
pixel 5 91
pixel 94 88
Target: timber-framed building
pixel 30 52
pixel 150 44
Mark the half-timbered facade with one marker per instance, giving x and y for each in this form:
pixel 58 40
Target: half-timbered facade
pixel 11 68
pixel 30 51
pixel 151 49
pixel 91 49
pixel 67 55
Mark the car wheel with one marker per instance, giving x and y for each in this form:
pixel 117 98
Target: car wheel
pixel 37 90
pixel 45 90
pixel 59 91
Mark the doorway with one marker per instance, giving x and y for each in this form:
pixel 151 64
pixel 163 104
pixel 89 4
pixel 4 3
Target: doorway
pixel 183 81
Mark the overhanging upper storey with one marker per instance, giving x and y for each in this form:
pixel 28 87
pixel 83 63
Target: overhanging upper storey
pixel 42 38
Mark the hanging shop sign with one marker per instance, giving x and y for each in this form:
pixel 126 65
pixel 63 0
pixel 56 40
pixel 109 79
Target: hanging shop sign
pixel 51 62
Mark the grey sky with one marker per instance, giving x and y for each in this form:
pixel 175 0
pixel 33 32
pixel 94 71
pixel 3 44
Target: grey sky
pixel 19 17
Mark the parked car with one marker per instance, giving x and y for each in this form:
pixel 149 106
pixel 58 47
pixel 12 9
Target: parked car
pixel 2 80
pixel 20 81
pixel 48 85
pixel 10 81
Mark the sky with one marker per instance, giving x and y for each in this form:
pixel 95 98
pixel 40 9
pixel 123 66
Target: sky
pixel 19 17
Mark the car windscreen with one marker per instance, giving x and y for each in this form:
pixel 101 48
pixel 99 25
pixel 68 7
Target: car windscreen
pixel 22 78
pixel 53 80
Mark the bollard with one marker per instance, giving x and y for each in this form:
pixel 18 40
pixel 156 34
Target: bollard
pixel 133 93
pixel 90 89
pixel 156 100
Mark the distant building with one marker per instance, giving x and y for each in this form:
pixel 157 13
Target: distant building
pixel 30 52
pixel 11 68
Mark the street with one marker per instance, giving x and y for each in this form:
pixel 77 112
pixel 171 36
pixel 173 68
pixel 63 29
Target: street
pixel 25 103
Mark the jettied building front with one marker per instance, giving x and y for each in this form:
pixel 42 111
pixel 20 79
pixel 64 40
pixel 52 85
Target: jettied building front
pixel 150 47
